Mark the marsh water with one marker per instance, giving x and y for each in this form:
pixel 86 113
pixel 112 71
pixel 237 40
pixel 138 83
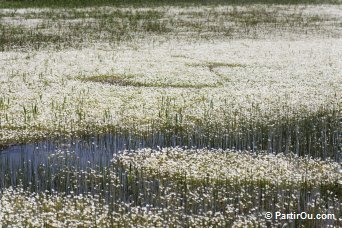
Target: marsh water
pixel 83 165
pixel 22 163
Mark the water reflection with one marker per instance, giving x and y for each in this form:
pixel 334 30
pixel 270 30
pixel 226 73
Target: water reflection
pixel 37 166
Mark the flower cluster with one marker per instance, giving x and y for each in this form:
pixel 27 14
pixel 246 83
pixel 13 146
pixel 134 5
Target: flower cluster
pixel 233 166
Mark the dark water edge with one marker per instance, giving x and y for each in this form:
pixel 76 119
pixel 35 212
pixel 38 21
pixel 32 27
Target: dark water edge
pixel 83 165
pixel 25 161
pixel 96 151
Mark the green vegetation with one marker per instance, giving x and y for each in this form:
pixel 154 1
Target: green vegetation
pixel 77 28
pixel 128 80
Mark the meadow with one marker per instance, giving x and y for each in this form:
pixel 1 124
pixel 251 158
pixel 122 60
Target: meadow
pixel 169 113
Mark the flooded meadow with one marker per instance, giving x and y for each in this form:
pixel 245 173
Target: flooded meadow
pixel 171 116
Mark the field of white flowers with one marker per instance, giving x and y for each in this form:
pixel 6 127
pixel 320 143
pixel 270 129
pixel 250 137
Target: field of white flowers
pixel 263 81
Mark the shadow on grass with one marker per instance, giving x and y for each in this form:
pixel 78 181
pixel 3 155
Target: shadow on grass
pixel 128 80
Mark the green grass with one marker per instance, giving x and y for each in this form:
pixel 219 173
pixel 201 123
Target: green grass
pixel 85 3
pixel 19 37
pixel 123 25
pixel 128 80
